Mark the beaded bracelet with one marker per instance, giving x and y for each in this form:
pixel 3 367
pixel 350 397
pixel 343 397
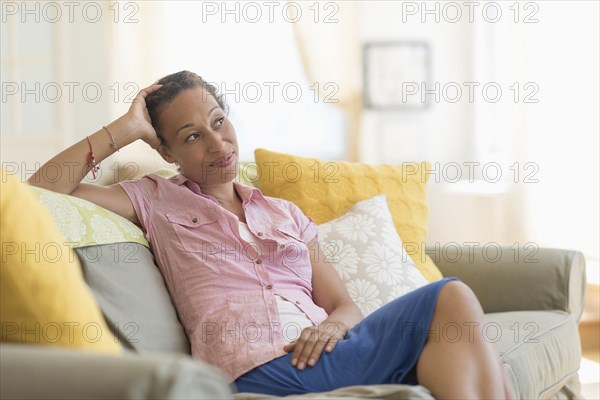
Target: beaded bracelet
pixel 92 160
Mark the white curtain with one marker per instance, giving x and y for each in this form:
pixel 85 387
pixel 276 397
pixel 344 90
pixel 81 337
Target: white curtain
pixel 555 201
pixel 331 52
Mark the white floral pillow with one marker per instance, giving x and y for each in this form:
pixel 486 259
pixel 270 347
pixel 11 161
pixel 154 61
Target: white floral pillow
pixel 368 254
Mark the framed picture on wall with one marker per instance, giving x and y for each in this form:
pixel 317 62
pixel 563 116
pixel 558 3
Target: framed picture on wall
pixel 396 75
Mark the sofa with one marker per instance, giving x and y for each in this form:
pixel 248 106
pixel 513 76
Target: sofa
pixel 533 302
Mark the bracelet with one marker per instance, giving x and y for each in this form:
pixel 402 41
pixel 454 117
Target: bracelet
pixel 113 144
pixel 92 160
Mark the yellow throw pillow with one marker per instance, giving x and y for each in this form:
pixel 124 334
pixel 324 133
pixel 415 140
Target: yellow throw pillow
pixel 324 190
pixel 43 297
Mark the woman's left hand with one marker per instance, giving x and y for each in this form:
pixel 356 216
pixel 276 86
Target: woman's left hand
pixel 313 340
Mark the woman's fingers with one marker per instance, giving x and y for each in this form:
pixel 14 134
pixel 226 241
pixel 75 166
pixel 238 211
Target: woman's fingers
pixel 297 358
pixel 146 91
pixel 317 350
pixel 331 345
pixel 313 340
pixel 290 346
pixel 140 119
pixel 330 334
pixel 140 98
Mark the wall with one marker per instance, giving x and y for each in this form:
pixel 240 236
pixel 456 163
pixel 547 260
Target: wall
pixel 554 141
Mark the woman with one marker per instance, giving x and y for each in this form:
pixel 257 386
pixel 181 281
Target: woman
pixel 240 272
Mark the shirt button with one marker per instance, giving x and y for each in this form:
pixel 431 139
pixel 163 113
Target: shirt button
pixel 258 261
pixel 270 287
pixel 297 302
pixel 281 246
pixel 259 233
pixel 194 220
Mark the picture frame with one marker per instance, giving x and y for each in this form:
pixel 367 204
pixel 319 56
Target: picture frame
pixel 393 72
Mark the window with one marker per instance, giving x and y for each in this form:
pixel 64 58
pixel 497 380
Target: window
pixel 30 84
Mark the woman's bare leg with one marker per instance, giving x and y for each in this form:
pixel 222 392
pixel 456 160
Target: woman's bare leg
pixel 457 362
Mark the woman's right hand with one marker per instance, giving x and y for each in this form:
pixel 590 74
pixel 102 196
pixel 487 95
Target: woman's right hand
pixel 140 119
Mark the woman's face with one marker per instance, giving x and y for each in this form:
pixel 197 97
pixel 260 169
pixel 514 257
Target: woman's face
pixel 199 138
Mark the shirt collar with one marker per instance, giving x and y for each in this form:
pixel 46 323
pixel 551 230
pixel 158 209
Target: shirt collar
pixel 246 192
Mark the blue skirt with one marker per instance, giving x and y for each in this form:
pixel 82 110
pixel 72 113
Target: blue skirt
pixel 382 349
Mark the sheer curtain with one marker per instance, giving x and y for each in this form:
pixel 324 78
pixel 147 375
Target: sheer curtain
pixel 552 140
pixel 562 131
pixel 330 47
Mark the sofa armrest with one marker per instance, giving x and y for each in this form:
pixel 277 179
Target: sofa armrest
pixel 39 372
pixel 514 279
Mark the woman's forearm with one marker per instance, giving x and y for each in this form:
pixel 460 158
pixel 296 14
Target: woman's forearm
pixel 64 172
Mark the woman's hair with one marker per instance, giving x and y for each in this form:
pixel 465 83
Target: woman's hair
pixel 173 85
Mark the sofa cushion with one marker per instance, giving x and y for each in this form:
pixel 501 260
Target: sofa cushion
pixel 83 223
pixel 540 349
pixel 358 392
pixel 51 373
pixel 326 189
pixel 366 251
pixel 132 294
pixel 43 298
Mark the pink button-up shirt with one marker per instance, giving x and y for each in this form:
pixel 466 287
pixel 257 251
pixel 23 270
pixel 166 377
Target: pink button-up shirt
pixel 222 287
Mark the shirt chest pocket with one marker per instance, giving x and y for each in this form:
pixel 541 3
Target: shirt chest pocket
pixel 294 253
pixel 196 231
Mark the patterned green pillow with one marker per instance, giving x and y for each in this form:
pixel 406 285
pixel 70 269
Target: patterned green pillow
pixel 83 223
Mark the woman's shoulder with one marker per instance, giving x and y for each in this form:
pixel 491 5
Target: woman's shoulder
pixel 161 176
pixel 152 182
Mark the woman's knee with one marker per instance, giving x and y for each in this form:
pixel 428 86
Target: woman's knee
pixel 456 298
pixel 458 290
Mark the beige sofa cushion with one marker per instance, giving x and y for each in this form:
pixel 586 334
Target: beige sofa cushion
pixel 36 372
pixel 383 392
pixel 133 297
pixel 540 349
